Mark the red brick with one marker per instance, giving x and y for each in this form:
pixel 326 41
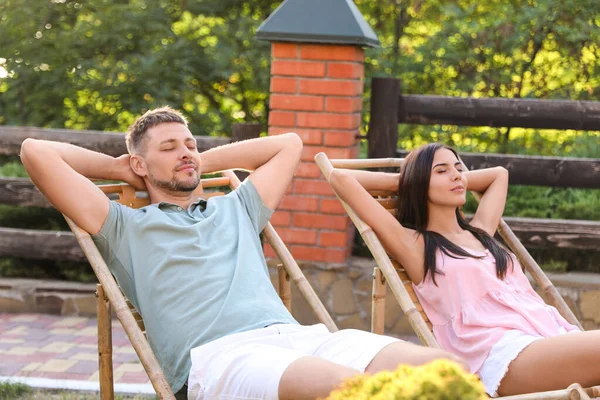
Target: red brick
pixel 328 120
pixel 297 236
pixel 308 136
pixel 284 50
pixel 309 253
pixel 281 218
pixel 307 170
pixel 312 220
pixel 343 104
pixel 312 187
pixel 268 250
pixel 299 203
pixel 331 87
pixel 345 70
pixel 282 118
pixel 283 85
pixel 331 206
pixel 298 68
pixel 329 52
pixel 333 239
pixel 295 102
pixel 309 152
pixel 340 139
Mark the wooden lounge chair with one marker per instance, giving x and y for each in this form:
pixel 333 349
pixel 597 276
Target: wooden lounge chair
pixel 109 294
pixel 390 273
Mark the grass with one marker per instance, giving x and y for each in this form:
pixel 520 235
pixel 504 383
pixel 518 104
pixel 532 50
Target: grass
pixel 20 391
pixel 10 390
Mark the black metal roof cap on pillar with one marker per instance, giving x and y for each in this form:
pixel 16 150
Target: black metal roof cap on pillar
pixel 318 21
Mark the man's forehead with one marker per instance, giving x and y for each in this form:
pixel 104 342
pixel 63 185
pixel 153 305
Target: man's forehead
pixel 169 132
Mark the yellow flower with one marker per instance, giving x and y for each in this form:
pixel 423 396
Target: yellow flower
pixel 438 380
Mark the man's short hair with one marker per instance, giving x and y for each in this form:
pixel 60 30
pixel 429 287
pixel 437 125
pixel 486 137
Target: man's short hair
pixel 137 131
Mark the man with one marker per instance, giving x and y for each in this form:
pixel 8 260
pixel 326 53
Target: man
pixel 195 269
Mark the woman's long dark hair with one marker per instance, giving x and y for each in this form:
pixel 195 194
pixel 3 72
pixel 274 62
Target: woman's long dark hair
pixel 413 213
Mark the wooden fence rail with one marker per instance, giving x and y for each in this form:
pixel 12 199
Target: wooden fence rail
pixel 110 143
pixel 40 245
pixel 534 233
pixel 499 112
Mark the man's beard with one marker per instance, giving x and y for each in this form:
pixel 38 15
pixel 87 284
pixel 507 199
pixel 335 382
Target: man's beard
pixel 175 185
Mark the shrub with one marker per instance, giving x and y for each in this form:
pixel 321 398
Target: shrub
pixel 438 380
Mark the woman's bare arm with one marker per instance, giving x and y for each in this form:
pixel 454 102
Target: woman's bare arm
pixel 403 244
pixel 492 183
pixel 371 180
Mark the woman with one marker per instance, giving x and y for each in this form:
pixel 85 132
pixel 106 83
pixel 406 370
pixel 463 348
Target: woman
pixel 474 291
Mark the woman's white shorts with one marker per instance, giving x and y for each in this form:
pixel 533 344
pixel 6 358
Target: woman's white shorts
pixel 496 365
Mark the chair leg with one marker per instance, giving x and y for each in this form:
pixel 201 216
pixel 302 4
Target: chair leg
pixel 107 390
pixel 378 303
pixel 285 289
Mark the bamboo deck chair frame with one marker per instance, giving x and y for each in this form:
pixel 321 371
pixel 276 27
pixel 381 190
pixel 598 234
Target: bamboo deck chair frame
pixel 109 293
pixel 390 273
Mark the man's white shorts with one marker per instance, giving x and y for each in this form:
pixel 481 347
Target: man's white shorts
pixel 249 365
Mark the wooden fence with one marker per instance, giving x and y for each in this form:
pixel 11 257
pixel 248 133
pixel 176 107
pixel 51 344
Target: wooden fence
pixel 389 107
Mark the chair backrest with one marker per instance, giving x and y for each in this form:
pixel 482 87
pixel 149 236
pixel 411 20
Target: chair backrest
pixel 392 270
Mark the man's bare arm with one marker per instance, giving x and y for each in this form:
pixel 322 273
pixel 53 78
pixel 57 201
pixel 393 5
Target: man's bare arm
pixel 273 160
pixel 62 172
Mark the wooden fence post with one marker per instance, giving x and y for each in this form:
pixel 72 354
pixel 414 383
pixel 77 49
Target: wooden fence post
pixel 383 123
pixel 244 131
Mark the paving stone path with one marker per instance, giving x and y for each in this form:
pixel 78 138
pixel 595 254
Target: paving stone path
pixel 65 348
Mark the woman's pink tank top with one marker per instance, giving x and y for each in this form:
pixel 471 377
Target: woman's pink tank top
pixel 470 308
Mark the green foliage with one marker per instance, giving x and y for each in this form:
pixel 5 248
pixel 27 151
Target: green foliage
pixel 520 48
pixel 99 65
pixel 10 166
pixel 20 391
pixel 440 379
pixel 555 266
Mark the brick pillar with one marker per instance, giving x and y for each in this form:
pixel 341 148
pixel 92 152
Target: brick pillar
pixel 316 91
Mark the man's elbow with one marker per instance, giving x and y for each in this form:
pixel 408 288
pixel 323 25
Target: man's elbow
pixel 27 144
pixel 27 149
pixel 503 172
pixel 294 143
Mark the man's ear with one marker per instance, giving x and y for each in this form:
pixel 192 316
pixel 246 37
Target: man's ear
pixel 138 166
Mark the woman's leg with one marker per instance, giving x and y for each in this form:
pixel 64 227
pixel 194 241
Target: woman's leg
pixel 555 363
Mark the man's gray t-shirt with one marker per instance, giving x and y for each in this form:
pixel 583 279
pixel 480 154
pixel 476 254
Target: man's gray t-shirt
pixel 194 275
